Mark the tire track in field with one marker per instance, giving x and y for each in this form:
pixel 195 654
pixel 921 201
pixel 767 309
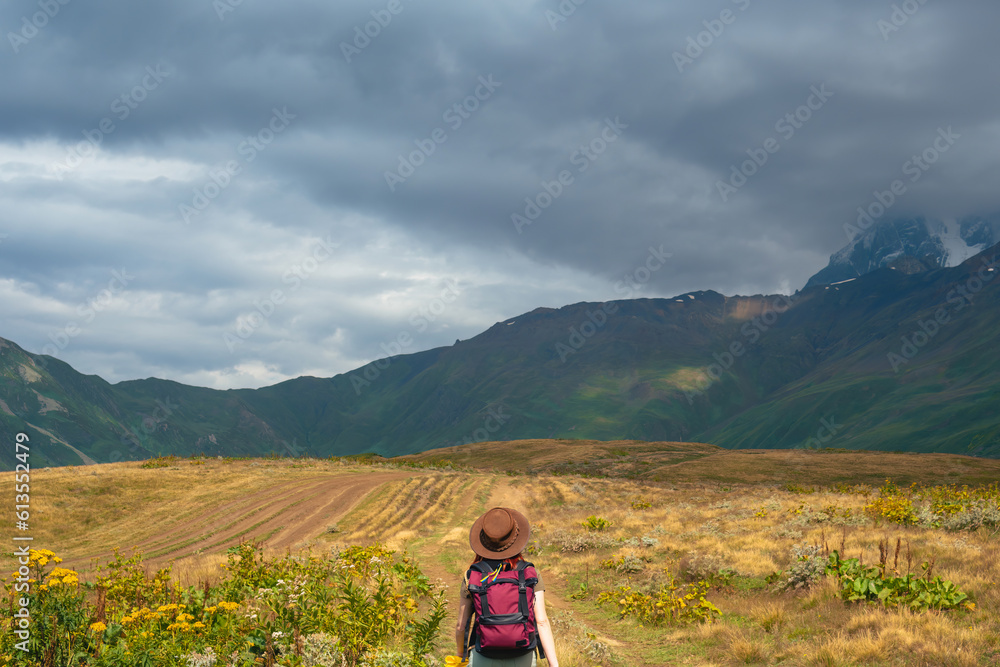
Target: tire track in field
pixel 309 503
pixel 204 521
pixel 236 510
pixel 439 502
pixel 312 518
pixel 283 520
pixel 428 497
pixel 405 497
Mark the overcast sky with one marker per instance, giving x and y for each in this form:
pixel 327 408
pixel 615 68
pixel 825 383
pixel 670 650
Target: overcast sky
pixel 353 172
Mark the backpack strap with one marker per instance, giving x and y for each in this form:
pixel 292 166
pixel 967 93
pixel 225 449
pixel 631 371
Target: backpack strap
pixel 524 565
pixel 480 567
pixel 522 582
pixel 522 590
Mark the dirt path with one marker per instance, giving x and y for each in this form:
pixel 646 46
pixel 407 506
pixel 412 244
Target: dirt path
pixel 83 457
pixel 445 555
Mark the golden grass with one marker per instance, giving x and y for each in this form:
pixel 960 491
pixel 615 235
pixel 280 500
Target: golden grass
pixel 693 521
pixel 83 512
pixel 691 462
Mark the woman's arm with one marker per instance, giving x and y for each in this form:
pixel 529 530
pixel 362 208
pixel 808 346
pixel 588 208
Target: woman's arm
pixel 545 630
pixel 464 613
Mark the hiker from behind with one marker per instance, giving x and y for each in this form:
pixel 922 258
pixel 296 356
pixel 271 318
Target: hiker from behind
pixel 502 619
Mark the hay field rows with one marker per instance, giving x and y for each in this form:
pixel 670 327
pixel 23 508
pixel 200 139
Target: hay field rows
pixel 191 511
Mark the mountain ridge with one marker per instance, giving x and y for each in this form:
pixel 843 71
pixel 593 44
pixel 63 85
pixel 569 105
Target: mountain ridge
pixel 934 243
pixel 739 372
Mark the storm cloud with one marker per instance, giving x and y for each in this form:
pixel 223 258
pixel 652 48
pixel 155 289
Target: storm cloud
pixel 232 193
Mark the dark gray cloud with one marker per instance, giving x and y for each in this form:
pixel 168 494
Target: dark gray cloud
pixel 208 149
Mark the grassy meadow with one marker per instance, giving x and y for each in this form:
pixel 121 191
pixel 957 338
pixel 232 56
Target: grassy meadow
pixel 653 554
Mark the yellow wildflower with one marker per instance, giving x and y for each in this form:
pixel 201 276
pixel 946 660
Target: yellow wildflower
pixel 62 575
pixel 40 557
pixel 98 627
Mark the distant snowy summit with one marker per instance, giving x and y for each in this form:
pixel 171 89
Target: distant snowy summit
pixel 912 243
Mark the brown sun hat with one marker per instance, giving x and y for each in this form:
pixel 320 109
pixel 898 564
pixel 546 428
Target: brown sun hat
pixel 500 533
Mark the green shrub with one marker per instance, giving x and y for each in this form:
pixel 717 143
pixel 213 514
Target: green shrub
pixel 806 569
pixel 918 592
pixel 596 523
pixel 671 604
pixel 624 564
pixel 361 604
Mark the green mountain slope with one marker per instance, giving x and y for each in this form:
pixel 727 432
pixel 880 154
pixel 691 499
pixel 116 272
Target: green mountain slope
pixel 814 369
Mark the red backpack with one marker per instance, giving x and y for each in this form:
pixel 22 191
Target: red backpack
pixel 505 608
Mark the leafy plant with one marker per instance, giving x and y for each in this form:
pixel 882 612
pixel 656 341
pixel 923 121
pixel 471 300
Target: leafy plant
pixel 161 461
pixel 624 564
pixel 894 508
pixel 581 592
pixel 364 602
pixel 709 567
pixel 596 523
pixel 672 603
pixel 919 593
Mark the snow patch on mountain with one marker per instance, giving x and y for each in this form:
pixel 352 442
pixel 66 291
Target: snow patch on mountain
pixel 957 248
pixel 935 242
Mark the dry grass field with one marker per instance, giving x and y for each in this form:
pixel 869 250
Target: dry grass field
pixel 693 512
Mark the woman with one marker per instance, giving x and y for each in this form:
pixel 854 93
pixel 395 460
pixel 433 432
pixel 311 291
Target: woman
pixel 498 537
